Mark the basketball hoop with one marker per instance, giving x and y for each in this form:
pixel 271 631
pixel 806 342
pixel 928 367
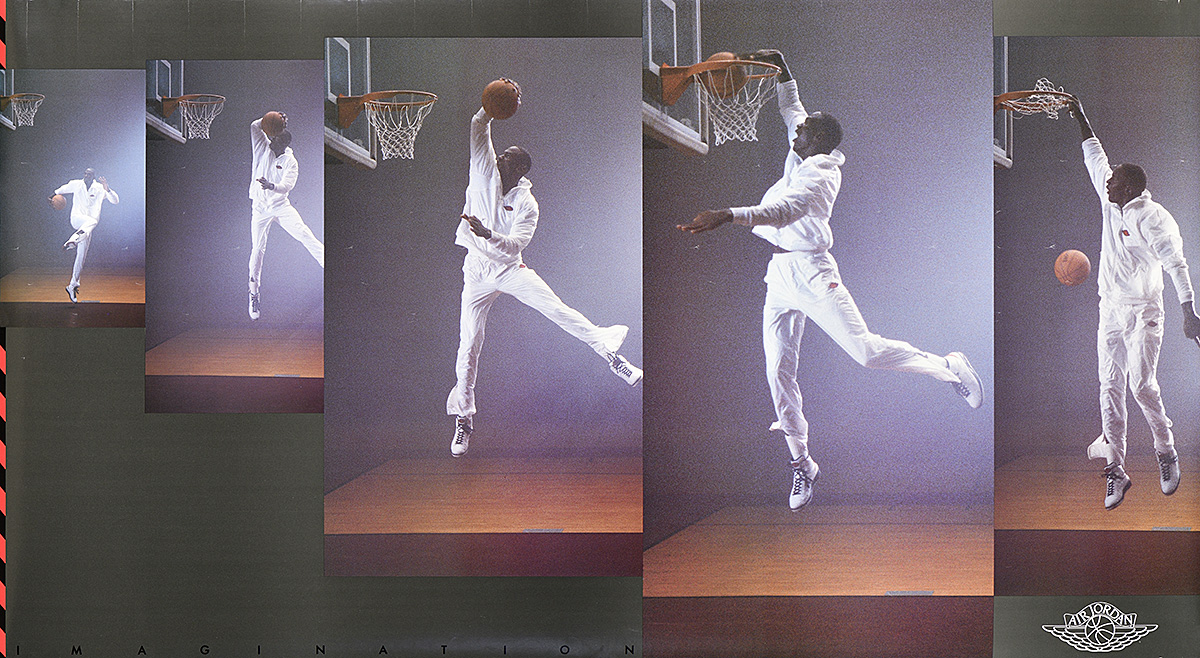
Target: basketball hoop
pixel 198 112
pixel 732 91
pixel 1044 97
pixel 24 106
pixel 395 122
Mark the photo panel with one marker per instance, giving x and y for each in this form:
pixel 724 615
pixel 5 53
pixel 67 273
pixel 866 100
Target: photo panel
pixel 73 236
pixel 1085 563
pixel 236 259
pixel 547 434
pixel 1053 503
pixel 895 543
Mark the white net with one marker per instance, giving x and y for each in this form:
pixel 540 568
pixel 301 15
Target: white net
pixel 24 106
pixel 1049 103
pixel 732 97
pixel 198 114
pixel 397 122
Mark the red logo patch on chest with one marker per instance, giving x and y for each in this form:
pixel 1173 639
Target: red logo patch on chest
pixel 508 208
pixel 1124 232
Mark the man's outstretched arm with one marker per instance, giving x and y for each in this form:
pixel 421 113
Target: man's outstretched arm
pixel 707 220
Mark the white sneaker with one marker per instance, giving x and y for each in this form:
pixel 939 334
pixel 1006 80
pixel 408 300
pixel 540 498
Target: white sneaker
pixel 969 385
pixel 804 476
pixel 72 241
pixel 1117 483
pixel 624 369
pixel 73 293
pixel 462 437
pixel 1168 469
pixel 254 306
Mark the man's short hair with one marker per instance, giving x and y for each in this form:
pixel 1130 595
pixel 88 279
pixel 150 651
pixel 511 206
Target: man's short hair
pixel 1135 176
pixel 523 159
pixel 828 130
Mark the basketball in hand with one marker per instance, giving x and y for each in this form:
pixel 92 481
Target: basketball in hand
pixel 501 98
pixel 58 201
pixel 1072 267
pixel 272 123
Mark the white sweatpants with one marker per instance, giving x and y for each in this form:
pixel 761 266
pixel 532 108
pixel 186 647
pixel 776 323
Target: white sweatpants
pixel 289 219
pixel 82 237
pixel 1128 343
pixel 803 286
pixel 483 281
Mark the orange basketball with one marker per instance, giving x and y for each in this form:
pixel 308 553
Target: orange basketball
pixel 501 98
pixel 58 201
pixel 724 82
pixel 272 123
pixel 1072 267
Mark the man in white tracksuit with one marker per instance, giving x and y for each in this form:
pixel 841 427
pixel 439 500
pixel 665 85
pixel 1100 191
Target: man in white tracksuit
pixel 1139 239
pixel 273 175
pixel 498 222
pixel 803 280
pixel 88 194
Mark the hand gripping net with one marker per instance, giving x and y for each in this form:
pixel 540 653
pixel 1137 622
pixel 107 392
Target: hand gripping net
pixel 396 122
pixel 1044 97
pixel 732 97
pixel 198 112
pixel 24 107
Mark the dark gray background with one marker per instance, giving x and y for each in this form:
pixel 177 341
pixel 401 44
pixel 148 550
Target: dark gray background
pixel 89 119
pixel 395 274
pixel 124 33
pixel 198 208
pixel 912 235
pixel 1142 97
pixel 176 531
pixel 1019 621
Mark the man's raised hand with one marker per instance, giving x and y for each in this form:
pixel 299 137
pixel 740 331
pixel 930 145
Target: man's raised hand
pixel 477 226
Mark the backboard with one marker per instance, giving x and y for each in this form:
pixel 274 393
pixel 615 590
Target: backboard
pixel 348 73
pixel 7 88
pixel 1002 143
pixel 671 35
pixel 164 79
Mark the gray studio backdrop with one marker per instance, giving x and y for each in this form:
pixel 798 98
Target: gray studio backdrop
pixel 1142 96
pixel 198 210
pixel 912 235
pixel 395 274
pixel 89 119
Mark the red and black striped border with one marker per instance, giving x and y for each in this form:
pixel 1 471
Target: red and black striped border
pixel 3 22
pixel 3 497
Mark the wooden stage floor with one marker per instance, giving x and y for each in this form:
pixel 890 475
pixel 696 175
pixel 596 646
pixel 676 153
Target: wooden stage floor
pixel 459 516
pixel 1059 492
pixel 832 580
pixel 1054 537
pixel 826 550
pixel 36 297
pixel 259 369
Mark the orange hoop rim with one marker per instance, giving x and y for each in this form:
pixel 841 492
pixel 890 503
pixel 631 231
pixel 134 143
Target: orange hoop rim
pixel 169 104
pixel 349 107
pixel 675 79
pixel 23 96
